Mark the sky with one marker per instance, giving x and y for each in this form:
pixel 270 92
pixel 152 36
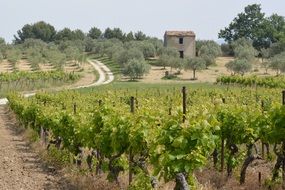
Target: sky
pixel 153 17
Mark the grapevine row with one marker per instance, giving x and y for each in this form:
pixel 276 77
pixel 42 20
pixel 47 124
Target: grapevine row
pixel 156 139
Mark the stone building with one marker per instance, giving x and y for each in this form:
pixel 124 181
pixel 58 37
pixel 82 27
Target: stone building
pixel 183 41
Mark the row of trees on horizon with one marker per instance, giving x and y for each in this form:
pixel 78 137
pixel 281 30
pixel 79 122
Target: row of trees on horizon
pixel 47 33
pixel 251 34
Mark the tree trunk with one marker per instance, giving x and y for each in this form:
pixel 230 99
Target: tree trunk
pixel 194 74
pixel 233 150
pixel 250 158
pixel 267 149
pixel 277 166
pixel 99 164
pixel 222 155
pixel 114 170
pixel 215 157
pixel 181 182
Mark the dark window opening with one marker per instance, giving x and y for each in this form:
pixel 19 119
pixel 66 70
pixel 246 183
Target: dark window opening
pixel 180 40
pixel 181 53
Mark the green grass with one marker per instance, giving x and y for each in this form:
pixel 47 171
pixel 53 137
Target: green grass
pixel 6 88
pixel 145 86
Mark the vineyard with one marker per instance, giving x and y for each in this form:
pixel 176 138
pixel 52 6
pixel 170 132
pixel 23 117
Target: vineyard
pixel 22 80
pixel 268 81
pixel 161 135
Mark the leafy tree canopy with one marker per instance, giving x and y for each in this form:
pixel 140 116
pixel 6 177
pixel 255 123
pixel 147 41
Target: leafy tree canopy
pixel 239 66
pixel 40 30
pixel 114 33
pixel 94 33
pixel 2 41
pixel 209 50
pixel 67 34
pixel 140 36
pixel 135 68
pixel 277 63
pixel 195 64
pixel 253 25
pixel 130 37
pixel 243 49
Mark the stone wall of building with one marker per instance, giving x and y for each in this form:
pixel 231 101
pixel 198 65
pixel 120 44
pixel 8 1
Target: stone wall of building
pixel 188 46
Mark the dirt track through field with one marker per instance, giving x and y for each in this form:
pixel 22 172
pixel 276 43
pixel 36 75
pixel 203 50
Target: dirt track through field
pixel 20 167
pixel 105 77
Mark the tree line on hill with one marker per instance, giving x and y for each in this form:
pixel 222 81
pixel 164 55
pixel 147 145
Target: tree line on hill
pixel 41 43
pixel 47 33
pixel 253 35
pixel 249 36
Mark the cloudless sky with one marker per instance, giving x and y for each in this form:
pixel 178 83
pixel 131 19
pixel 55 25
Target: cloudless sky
pixel 153 17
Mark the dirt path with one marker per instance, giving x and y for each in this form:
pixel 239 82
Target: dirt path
pixel 105 74
pixel 88 80
pixel 20 167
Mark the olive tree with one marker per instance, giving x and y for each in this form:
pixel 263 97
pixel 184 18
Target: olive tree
pixel 209 52
pixel 124 56
pixel 277 63
pixel 243 49
pixel 157 43
pixel 239 66
pixel 195 64
pixel 147 48
pixel 13 55
pixel 276 48
pixel 72 53
pixel 265 54
pixel 34 57
pixel 1 57
pixel 111 51
pixel 135 68
pixel 56 58
pixel 166 55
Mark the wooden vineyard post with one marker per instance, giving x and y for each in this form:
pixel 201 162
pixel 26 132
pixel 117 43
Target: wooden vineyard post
pixel 170 108
pixel 283 97
pixel 132 104
pixel 222 147
pixel 98 155
pixel 283 146
pixel 43 132
pixel 262 144
pixel 74 108
pixel 184 102
pixel 256 94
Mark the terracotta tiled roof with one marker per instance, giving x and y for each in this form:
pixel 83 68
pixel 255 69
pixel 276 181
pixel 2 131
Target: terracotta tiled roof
pixel 180 33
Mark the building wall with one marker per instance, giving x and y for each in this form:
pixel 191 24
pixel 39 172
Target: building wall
pixel 188 46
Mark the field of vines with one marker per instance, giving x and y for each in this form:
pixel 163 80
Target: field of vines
pixel 262 81
pixel 23 80
pixel 157 135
